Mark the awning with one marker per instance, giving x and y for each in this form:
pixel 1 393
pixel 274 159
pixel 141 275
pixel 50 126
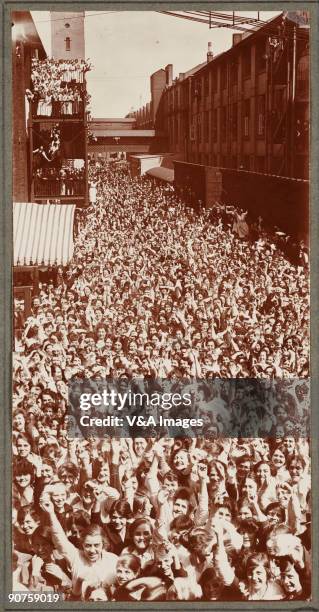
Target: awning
pixel 105 133
pixel 164 174
pixel 43 234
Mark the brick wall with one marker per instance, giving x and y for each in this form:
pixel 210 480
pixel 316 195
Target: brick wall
pixel 19 134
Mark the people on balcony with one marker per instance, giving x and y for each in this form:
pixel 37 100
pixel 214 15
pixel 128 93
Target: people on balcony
pixel 57 87
pixel 63 181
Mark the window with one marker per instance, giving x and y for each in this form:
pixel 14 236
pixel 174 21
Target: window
pixel 233 72
pixel 199 128
pixel 303 76
pixel 246 118
pixel 192 130
pixel 214 125
pixel 234 121
pixel 247 63
pixel 214 81
pixel 206 126
pixel 261 115
pixel 206 85
pixel 261 55
pixel 176 130
pixel 224 123
pixel 176 98
pixel 223 76
pixel 68 43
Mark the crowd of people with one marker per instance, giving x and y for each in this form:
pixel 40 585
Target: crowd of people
pixel 58 87
pixel 64 181
pixel 157 290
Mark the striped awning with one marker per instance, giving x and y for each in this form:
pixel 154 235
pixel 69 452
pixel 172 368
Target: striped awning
pixel 43 234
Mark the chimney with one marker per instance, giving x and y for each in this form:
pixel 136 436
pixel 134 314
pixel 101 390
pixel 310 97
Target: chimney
pixel 181 76
pixel 169 74
pixel 237 38
pixel 210 54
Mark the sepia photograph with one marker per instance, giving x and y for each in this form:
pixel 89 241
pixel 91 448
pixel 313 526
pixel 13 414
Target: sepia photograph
pixel 161 307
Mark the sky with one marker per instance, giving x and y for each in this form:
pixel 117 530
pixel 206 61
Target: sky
pixel 126 47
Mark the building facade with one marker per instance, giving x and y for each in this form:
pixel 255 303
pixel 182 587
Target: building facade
pixel 26 45
pixel 58 133
pixel 67 35
pixel 247 108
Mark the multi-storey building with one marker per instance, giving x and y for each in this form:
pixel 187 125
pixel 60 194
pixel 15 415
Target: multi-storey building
pixel 49 153
pixel 247 108
pixel 26 45
pixel 58 116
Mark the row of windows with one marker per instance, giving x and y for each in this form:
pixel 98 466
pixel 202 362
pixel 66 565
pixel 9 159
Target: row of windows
pixel 228 72
pixel 228 119
pixel 256 163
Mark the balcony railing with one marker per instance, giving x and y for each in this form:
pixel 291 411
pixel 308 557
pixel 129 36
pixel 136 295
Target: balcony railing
pixel 48 188
pixel 57 110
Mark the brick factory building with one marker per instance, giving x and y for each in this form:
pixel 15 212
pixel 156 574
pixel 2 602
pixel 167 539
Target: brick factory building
pixel 245 109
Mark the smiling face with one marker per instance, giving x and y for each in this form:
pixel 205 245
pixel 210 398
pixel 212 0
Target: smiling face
pixel 142 537
pixel 180 507
pixel 278 459
pixel 171 486
pixel 18 422
pixel 59 497
pixel 29 525
pixel 104 474
pixel 296 470
pixel 283 495
pixel 47 473
pixel 139 446
pixel 118 522
pixel 290 580
pixel 181 460
pixel 257 577
pixel 274 516
pixel 92 548
pixel 249 488
pixel 124 573
pixel 23 447
pixel 289 444
pixel 245 513
pixel 23 480
pixel 263 473
pixel 223 513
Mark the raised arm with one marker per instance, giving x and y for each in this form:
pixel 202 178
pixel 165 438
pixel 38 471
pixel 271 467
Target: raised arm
pixel 64 546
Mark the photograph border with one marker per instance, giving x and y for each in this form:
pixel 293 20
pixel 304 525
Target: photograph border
pixel 6 296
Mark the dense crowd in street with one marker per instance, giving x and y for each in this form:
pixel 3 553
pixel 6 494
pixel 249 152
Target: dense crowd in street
pixel 157 290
